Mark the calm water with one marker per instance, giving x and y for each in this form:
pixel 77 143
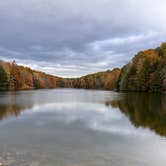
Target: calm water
pixel 67 127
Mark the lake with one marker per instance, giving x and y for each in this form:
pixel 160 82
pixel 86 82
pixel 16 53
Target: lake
pixel 70 127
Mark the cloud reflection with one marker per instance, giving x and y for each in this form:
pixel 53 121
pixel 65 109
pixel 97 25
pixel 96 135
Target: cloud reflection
pixel 92 116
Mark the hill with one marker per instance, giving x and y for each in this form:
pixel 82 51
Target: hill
pixel 102 80
pixel 15 77
pixel 146 72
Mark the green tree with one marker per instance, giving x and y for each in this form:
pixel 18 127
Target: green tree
pixel 4 85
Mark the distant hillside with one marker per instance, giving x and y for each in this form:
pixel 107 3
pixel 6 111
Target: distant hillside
pixel 15 77
pixel 102 80
pixel 146 72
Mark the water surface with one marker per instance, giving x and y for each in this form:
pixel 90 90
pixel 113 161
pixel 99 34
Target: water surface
pixel 68 127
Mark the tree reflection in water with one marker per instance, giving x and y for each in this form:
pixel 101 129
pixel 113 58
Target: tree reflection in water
pixel 7 111
pixel 144 110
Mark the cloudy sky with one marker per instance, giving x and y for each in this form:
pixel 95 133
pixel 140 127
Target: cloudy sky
pixel 74 37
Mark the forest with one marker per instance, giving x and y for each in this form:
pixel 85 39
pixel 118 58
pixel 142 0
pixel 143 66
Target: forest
pixel 145 72
pixel 15 77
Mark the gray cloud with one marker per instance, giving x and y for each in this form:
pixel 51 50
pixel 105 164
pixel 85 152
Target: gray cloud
pixel 73 38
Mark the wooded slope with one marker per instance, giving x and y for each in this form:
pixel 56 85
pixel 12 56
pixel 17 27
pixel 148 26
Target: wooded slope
pixel 146 72
pixel 14 77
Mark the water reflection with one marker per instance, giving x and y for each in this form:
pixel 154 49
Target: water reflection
pixel 82 127
pixel 144 110
pixel 12 104
pixel 7 111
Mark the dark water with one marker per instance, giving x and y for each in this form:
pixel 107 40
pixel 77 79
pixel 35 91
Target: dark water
pixel 67 127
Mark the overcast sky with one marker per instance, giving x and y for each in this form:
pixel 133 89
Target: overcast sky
pixel 74 37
